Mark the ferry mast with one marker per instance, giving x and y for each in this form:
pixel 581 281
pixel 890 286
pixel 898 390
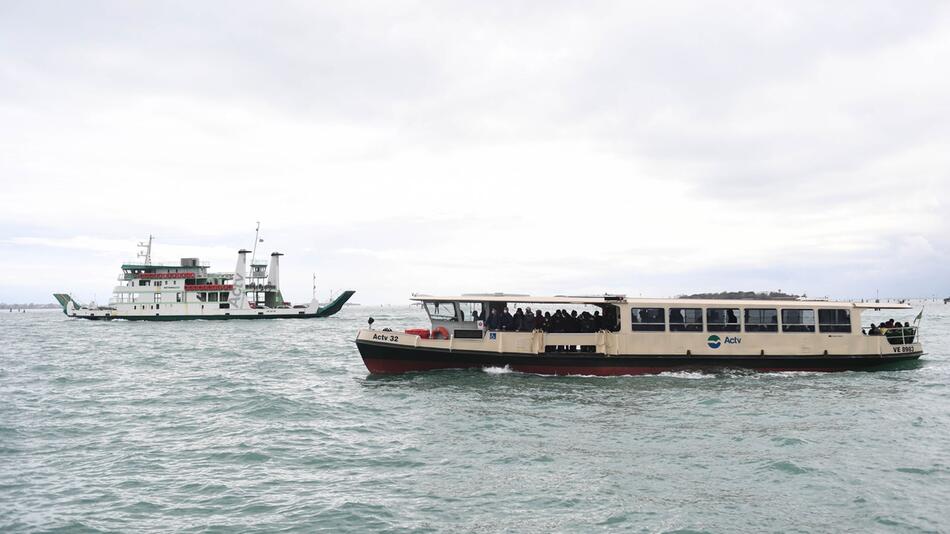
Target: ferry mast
pixel 147 253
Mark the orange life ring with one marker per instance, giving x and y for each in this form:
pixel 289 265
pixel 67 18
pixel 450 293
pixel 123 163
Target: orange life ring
pixel 440 331
pixel 421 332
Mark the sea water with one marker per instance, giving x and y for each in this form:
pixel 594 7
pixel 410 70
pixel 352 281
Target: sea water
pixel 236 426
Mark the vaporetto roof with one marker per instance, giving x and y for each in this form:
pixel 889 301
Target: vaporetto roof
pixel 685 303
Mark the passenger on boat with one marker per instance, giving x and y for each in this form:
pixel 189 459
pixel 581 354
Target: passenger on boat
pixel 517 321
pixel 506 320
pixel 492 323
pixel 528 323
pixel 676 316
pixel 874 330
pixel 587 323
pixel 539 320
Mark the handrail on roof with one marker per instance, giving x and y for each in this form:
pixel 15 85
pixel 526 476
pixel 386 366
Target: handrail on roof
pixel 609 298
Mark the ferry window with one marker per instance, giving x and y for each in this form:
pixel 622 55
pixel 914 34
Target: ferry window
pixel 224 305
pixel 686 320
pixel 177 297
pixel 470 311
pixel 143 282
pixel 834 321
pixel 200 296
pixel 157 297
pixel 798 320
pixel 441 311
pixel 611 318
pixel 223 297
pixel 765 320
pixel 647 320
pixel 212 297
pixel 722 319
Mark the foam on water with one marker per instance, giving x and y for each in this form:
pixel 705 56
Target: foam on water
pixel 276 426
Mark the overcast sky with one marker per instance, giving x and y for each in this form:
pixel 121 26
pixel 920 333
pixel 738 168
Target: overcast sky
pixel 650 148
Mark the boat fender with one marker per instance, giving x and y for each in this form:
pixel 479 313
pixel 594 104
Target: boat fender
pixel 440 333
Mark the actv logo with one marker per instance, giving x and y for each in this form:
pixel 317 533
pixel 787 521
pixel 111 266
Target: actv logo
pixel 715 341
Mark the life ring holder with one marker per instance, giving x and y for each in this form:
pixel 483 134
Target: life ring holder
pixel 440 331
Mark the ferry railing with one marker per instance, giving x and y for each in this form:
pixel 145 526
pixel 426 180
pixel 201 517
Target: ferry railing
pixel 138 261
pixel 897 335
pixel 904 335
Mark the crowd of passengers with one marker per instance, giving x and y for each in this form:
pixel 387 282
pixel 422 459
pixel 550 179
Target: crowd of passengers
pixel 526 320
pixel 887 328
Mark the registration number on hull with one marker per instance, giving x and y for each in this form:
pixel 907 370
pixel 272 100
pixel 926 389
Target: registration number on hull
pixel 386 337
pixel 904 348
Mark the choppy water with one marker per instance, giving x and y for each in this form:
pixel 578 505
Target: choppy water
pixel 275 426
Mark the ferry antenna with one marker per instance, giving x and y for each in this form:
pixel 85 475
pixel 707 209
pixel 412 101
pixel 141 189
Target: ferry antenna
pixel 147 254
pixel 257 238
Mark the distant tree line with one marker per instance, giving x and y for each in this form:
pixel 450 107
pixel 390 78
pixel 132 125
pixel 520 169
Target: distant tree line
pixel 743 295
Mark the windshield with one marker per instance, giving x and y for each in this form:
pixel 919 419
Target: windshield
pixel 441 311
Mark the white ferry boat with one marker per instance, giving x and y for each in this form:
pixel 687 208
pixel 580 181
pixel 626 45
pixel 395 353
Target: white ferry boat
pixel 188 290
pixel 626 336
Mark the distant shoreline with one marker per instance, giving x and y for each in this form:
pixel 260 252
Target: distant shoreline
pixel 30 306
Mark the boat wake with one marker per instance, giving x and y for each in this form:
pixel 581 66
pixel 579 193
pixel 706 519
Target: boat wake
pixel 687 375
pixel 497 370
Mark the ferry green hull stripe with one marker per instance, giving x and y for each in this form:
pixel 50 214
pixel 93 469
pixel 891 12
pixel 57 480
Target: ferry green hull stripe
pixel 200 317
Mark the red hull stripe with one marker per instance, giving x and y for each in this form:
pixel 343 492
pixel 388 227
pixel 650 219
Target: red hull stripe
pixel 147 276
pixel 386 359
pixel 208 287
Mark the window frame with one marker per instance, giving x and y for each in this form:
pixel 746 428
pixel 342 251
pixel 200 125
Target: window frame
pixel 760 328
pixel 440 316
pixel 686 326
pixel 724 326
pixel 637 326
pixel 800 327
pixel 836 327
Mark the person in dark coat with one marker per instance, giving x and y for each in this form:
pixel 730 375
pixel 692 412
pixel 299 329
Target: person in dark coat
pixel 517 321
pixel 492 323
pixel 506 319
pixel 528 321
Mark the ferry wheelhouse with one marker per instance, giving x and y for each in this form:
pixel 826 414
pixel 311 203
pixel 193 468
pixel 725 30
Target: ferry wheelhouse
pixel 189 290
pixel 641 336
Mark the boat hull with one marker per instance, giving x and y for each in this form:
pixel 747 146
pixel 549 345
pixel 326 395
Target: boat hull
pixel 386 358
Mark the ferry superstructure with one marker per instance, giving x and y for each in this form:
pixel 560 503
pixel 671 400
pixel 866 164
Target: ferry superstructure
pixel 189 290
pixel 642 336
